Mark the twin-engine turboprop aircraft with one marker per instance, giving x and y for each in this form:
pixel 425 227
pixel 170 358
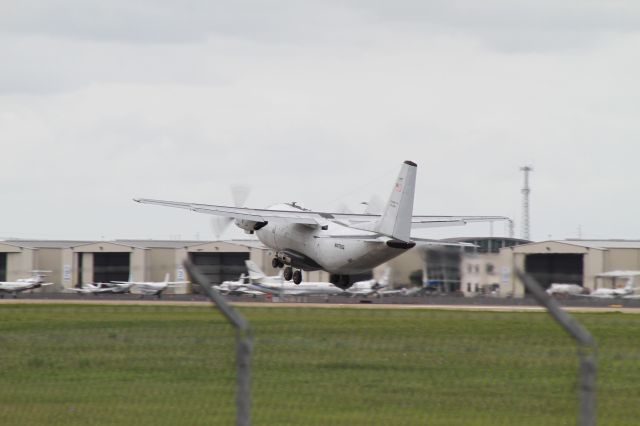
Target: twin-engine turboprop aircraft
pixel 339 243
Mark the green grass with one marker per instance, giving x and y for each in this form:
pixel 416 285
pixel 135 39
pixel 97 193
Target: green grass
pixel 156 365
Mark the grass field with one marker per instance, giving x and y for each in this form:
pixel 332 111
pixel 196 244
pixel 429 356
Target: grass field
pixel 163 365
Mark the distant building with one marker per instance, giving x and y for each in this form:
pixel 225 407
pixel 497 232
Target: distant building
pixel 72 263
pixel 572 261
pixel 468 271
pixel 481 269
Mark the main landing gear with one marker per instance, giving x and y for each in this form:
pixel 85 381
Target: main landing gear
pixel 288 273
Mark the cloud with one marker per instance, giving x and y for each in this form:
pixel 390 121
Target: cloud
pixel 318 104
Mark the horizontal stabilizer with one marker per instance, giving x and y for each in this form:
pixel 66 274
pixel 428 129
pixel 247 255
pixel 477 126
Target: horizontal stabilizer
pixel 431 242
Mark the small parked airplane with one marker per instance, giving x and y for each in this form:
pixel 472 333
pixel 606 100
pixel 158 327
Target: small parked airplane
pixel 611 293
pixel 339 243
pixel 23 284
pixel 371 287
pixel 152 288
pixel 626 292
pixel 238 288
pixel 276 285
pixel 102 288
pixel 557 289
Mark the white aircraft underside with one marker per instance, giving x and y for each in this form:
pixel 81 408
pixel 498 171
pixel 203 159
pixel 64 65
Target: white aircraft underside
pixel 303 289
pixel 339 243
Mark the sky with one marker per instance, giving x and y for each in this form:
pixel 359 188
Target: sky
pixel 319 103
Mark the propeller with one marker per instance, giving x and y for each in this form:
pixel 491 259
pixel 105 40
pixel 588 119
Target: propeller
pixel 219 224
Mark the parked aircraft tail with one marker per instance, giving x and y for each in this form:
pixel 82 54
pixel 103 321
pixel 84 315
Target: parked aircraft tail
pixel 396 218
pixel 255 273
pixel 386 278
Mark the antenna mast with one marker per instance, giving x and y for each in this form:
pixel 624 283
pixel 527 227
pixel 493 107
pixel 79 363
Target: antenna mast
pixel 525 202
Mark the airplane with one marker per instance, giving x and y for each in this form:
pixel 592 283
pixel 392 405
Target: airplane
pixel 371 287
pixel 557 289
pixel 342 244
pixel 237 288
pixel 626 292
pixel 611 293
pixel 102 288
pixel 23 284
pixel 151 287
pixel 278 286
pixel 380 288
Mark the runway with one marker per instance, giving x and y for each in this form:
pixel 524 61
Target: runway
pixel 334 302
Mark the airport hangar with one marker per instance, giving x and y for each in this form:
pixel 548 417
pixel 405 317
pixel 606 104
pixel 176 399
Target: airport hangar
pixel 484 270
pixel 487 269
pixel 574 261
pixel 72 263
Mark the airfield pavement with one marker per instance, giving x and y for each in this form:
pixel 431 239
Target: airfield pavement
pixel 337 302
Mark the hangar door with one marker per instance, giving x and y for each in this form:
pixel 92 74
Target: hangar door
pixel 3 266
pixel 219 267
pixel 558 268
pixel 110 267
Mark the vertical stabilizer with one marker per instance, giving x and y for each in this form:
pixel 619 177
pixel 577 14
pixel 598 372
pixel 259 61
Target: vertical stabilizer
pixel 396 218
pixel 385 280
pixel 255 273
pixel 166 277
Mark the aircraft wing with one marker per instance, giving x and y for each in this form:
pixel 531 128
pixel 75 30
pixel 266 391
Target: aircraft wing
pixel 81 290
pixel 263 289
pixel 435 221
pixel 257 215
pixel 308 217
pixel 596 296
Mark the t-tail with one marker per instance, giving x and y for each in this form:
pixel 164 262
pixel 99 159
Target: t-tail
pixel 396 217
pixel 255 273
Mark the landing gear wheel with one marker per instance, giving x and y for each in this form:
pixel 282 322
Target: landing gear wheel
pixel 288 273
pixel 297 277
pixel 275 262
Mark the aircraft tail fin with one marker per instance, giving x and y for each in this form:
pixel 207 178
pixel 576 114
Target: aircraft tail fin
pixel 396 217
pixel 255 273
pixel 386 278
pixel 166 277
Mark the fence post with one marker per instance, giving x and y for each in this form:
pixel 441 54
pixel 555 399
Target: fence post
pixel 244 344
pixel 586 348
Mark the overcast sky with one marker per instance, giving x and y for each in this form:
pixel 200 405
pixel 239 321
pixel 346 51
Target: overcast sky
pixel 317 102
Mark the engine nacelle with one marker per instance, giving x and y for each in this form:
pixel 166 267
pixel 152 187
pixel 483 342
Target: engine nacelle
pixel 250 225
